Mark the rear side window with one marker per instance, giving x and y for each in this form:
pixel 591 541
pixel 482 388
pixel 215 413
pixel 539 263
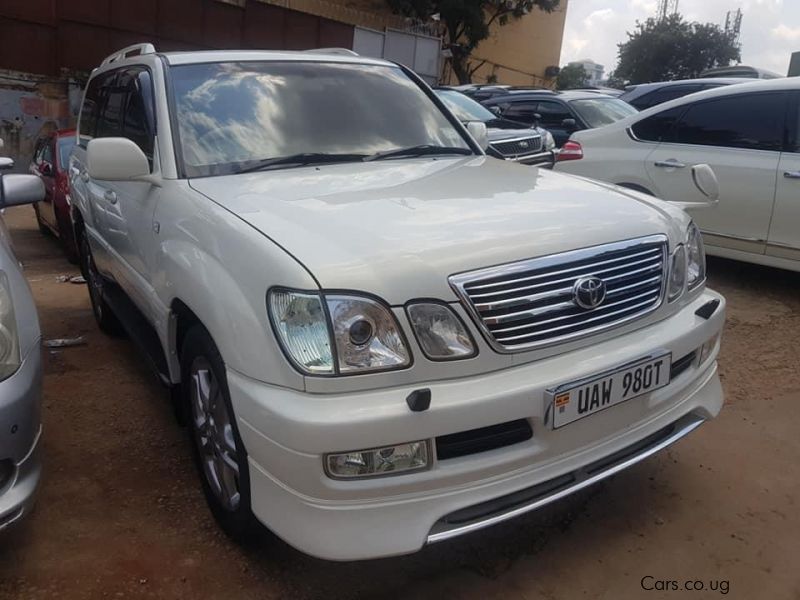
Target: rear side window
pixel 553 113
pixel 521 111
pixel 659 127
pixel 752 121
pixel 665 94
pixel 109 123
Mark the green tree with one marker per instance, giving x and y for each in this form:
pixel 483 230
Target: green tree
pixel 571 77
pixel 467 23
pixel 672 48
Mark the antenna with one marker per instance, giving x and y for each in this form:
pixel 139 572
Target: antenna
pixel 666 8
pixel 733 24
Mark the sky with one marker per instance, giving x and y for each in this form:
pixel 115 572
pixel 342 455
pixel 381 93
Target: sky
pixel 770 28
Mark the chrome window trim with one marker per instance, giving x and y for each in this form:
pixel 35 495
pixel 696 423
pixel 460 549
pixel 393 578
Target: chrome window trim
pixel 459 281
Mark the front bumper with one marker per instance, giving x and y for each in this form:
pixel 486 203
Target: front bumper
pixel 20 431
pixel 286 433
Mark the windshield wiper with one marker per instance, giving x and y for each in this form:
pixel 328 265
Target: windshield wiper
pixel 302 159
pixel 421 150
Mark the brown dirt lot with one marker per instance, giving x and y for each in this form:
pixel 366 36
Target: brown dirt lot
pixel 120 513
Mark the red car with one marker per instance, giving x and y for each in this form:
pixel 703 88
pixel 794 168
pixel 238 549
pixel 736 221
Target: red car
pixel 51 163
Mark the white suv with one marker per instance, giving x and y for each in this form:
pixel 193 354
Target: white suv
pixel 381 337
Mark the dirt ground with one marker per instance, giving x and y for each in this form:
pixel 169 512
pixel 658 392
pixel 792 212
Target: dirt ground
pixel 120 512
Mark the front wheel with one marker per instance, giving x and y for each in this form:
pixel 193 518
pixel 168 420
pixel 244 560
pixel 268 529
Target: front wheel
pixel 105 317
pixel 217 448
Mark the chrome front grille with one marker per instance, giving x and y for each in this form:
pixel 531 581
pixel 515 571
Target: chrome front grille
pixel 519 146
pixel 532 303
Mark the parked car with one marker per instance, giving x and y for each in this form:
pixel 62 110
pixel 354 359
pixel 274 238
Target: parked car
pixel 20 365
pixel 50 163
pixel 481 92
pixel 614 92
pixel 381 337
pixel 741 71
pixel 645 95
pixel 747 133
pixel 510 139
pixel 561 113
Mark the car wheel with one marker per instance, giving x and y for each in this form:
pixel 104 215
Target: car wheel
pixel 105 317
pixel 43 229
pixel 218 451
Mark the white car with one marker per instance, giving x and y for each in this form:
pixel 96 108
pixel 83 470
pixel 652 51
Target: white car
pixel 747 133
pixel 381 337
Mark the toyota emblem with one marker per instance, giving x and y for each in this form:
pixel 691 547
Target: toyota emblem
pixel 589 292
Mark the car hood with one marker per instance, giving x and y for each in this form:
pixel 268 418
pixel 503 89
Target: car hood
pixel 399 228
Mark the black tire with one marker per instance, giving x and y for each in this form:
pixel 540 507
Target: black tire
pixel 105 317
pixel 207 429
pixel 43 229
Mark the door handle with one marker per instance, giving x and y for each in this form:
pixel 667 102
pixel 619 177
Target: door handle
pixel 111 196
pixel 670 164
pixel 791 174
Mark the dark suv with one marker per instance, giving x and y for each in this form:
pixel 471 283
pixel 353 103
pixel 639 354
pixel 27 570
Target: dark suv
pixel 562 113
pixel 645 95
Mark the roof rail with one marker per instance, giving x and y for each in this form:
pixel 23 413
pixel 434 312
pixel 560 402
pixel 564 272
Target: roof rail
pixel 344 51
pixel 128 51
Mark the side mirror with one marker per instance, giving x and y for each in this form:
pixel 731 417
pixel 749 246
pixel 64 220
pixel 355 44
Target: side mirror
pixel 477 129
pixel 6 163
pixel 569 124
pixel 495 109
pixel 706 181
pixel 47 169
pixel 117 159
pixel 20 189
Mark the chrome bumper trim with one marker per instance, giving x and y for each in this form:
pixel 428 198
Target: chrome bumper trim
pixel 579 479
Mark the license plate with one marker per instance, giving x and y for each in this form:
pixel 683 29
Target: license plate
pixel 579 399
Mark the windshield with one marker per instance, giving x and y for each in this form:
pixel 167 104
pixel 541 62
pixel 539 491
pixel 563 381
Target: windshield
pixel 232 115
pixel 602 111
pixel 65 145
pixel 464 108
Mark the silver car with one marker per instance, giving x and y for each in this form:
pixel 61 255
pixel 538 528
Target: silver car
pixel 20 364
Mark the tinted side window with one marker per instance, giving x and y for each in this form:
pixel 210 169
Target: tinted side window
pixel 109 123
pixel 659 127
pixel 753 121
pixel 665 94
pixel 91 105
pixel 553 113
pixel 137 120
pixel 521 111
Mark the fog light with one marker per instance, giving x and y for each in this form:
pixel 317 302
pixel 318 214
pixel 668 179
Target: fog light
pixel 708 348
pixel 389 460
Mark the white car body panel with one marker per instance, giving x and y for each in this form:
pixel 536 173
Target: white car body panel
pixel 756 219
pixel 397 229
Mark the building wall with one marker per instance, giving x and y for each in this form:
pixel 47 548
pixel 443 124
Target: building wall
pixel 518 53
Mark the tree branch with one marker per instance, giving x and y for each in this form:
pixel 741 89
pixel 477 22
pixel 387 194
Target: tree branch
pixel 480 64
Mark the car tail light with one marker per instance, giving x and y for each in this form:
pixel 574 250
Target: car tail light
pixel 570 151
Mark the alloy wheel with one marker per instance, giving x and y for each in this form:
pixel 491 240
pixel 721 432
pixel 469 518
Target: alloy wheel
pixel 213 434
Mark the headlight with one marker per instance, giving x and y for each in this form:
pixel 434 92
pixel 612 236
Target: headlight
pixel 9 340
pixel 696 270
pixel 367 335
pixel 677 273
pixel 364 333
pixel 441 334
pixel 302 330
